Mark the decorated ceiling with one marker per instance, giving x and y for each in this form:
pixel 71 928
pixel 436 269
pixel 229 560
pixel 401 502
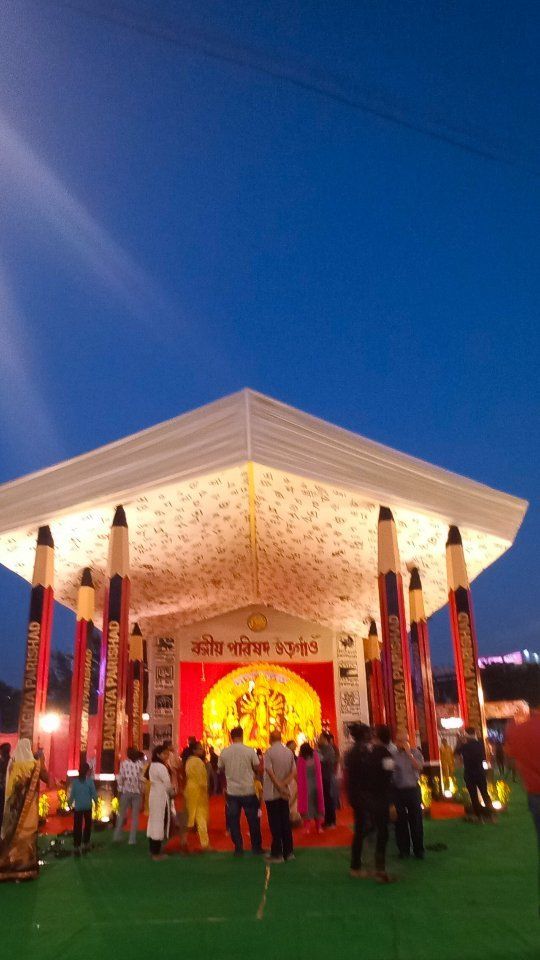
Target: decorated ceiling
pixel 249 534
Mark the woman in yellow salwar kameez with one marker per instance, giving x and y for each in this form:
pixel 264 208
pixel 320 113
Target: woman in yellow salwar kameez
pixel 196 794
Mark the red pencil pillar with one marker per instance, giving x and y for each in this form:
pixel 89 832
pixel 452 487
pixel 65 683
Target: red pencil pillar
pixel 469 686
pixel 114 651
pixel 83 634
pixel 374 677
pixel 38 641
pixel 395 649
pixel 135 688
pixel 422 677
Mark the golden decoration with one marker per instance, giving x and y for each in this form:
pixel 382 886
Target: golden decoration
pixel 261 697
pixel 257 622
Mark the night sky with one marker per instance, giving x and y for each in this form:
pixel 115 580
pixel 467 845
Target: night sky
pixel 333 203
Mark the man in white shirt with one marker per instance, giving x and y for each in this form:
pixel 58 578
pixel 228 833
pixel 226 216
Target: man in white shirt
pixel 240 764
pixel 279 771
pixel 130 784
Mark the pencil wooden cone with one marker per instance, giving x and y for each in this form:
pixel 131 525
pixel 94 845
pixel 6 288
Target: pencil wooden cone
pixel 114 651
pixel 422 677
pixel 82 668
pixel 374 676
pixel 135 688
pixel 469 686
pixel 395 649
pixel 38 641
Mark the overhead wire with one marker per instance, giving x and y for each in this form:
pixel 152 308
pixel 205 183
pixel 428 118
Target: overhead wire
pixel 330 86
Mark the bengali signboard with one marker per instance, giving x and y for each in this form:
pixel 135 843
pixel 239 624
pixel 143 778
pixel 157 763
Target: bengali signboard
pixel 350 681
pixel 162 693
pixel 255 634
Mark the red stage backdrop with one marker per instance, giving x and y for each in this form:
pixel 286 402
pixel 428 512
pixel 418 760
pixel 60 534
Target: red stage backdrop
pixel 197 679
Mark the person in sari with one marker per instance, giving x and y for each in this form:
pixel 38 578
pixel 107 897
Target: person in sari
pixel 196 794
pixel 159 803
pixel 310 787
pixel 18 837
pixel 294 816
pixel 5 756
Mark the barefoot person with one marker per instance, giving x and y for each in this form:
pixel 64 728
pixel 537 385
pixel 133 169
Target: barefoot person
pixel 310 788
pixel 196 793
pixel 161 791
pixel 130 787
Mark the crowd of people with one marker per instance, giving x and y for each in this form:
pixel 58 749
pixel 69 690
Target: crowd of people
pixel 381 778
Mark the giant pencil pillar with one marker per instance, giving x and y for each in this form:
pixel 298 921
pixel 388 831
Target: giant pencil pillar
pixel 422 677
pixel 38 641
pixel 135 688
pixel 374 677
pixel 78 716
pixel 114 651
pixel 470 696
pixel 395 649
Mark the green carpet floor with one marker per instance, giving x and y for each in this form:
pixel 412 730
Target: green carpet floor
pixel 478 899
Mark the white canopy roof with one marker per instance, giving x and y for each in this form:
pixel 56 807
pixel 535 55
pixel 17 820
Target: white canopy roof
pixel 249 500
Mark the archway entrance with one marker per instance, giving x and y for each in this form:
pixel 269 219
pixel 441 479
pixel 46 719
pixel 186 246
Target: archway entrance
pixel 261 697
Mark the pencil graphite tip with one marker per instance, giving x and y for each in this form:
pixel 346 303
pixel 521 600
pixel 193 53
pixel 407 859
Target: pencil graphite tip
pixel 415 583
pixel 385 513
pixel 372 629
pixel 454 537
pixel 119 519
pixel 44 537
pixel 86 579
pixel 136 632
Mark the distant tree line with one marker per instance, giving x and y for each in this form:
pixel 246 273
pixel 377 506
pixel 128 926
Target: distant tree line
pixel 500 681
pixel 59 689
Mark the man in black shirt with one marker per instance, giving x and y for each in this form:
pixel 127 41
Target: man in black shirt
pixel 473 756
pixel 368 768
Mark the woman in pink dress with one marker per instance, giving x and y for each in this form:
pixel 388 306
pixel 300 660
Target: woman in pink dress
pixel 310 788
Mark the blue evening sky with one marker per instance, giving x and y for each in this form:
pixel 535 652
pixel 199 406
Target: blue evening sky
pixel 238 208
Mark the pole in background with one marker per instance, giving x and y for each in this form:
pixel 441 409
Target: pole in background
pixel 82 667
pixel 135 688
pixel 469 685
pixel 395 649
pixel 38 640
pixel 422 676
pixel 114 651
pixel 374 676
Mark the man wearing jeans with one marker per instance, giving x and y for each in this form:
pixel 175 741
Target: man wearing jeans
pixel 130 790
pixel 279 771
pixel 240 764
pixel 408 764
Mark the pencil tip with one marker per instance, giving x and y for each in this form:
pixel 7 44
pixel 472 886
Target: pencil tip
pixel 86 579
pixel 44 537
pixel 454 537
pixel 385 514
pixel 119 519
